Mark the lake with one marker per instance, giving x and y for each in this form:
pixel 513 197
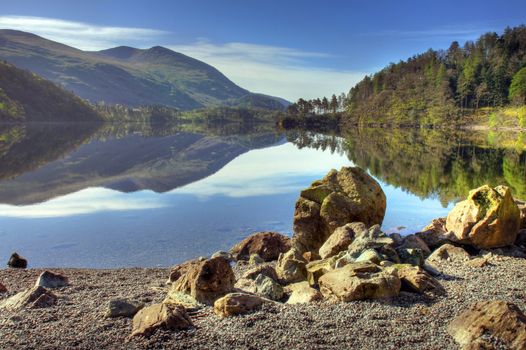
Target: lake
pixel 105 196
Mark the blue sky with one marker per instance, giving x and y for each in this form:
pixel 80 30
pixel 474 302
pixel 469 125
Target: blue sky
pixel 286 48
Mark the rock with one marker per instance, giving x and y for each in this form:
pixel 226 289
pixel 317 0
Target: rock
pixel 431 269
pixel 3 289
pixel 318 268
pixel 488 218
pixel 521 238
pixel 122 308
pixel 370 255
pixel 414 242
pixel 339 240
pixel 268 288
pixel 310 256
pixel 341 197
pixel 302 292
pixel 448 252
pixel 246 285
pixel 522 208
pixel 359 281
pixel 17 262
pixel 36 297
pixel 291 267
pixel 165 316
pixel 222 254
pixel 181 269
pixel 435 234
pixel 478 262
pixel 487 322
pixel 265 270
pixel 182 299
pixel 268 245
pixel 204 280
pixel 415 279
pixel 237 303
pixel 255 259
pixel 52 280
pixel 413 256
pixel 373 238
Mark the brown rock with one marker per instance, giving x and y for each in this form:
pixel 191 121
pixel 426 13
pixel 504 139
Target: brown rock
pixel 358 281
pixel 204 280
pixel 265 270
pixel 17 262
pixel 448 252
pixel 3 288
pixel 166 316
pixel 318 268
pixel 416 279
pixel 122 308
pixel 310 256
pixel 477 326
pixel 341 197
pixel 36 297
pixel 489 218
pixel 338 241
pixel 302 292
pixel 237 303
pixel 434 234
pixel 268 245
pixel 478 262
pixel 49 279
pixel 522 209
pixel 415 242
pixel 291 267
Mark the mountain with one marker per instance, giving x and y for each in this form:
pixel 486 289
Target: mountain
pixel 438 86
pixel 124 75
pixel 25 96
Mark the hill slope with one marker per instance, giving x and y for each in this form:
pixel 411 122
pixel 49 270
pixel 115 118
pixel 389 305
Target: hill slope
pixel 25 96
pixel 122 75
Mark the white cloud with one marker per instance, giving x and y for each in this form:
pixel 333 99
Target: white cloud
pixel 280 71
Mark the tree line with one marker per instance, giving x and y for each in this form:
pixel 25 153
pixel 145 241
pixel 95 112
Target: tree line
pixel 318 106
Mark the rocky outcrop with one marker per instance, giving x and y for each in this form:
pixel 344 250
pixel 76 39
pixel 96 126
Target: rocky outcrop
pixel 291 267
pixel 359 281
pixel 17 262
pixel 268 245
pixel 52 280
pixel 341 197
pixel 205 280
pixel 164 316
pixel 488 322
pixel 448 252
pixel 36 297
pixel 302 292
pixel 338 241
pixel 488 218
pixel 237 304
pixel 122 308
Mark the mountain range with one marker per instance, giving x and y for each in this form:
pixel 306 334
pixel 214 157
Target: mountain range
pixel 129 76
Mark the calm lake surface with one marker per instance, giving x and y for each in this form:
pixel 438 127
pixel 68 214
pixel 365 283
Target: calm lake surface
pixel 137 195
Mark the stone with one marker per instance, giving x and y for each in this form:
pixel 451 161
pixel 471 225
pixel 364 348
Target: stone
pixel 341 197
pixel 310 256
pixel 237 304
pixel 359 281
pixel 36 297
pixel 268 288
pixel 488 218
pixel 478 262
pixel 413 256
pixel 370 255
pixel 246 285
pixel 416 279
pixel 339 240
pixel 182 299
pixel 204 280
pixel 448 252
pixel 17 262
pixel 486 322
pixel 291 267
pixel 268 245
pixel 435 234
pixel 223 254
pixel 122 308
pixel 3 289
pixel 521 238
pixel 414 242
pixel 160 316
pixel 255 259
pixel 302 292
pixel 318 268
pixel 265 270
pixel 373 238
pixel 522 208
pixel 51 280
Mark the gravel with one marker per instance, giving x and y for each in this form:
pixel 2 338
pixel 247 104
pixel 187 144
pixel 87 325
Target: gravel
pixel 409 321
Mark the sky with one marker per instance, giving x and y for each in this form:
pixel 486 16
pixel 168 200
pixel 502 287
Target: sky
pixel 291 49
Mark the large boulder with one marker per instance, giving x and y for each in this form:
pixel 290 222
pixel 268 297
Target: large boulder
pixel 237 304
pixel 488 218
pixel 36 297
pixel 205 280
pixel 291 267
pixel 487 323
pixel 338 241
pixel 164 316
pixel 359 281
pixel 268 245
pixel 341 197
pixel 17 262
pixel 302 292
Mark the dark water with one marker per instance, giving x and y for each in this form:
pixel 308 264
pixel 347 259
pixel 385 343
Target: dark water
pixel 137 195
